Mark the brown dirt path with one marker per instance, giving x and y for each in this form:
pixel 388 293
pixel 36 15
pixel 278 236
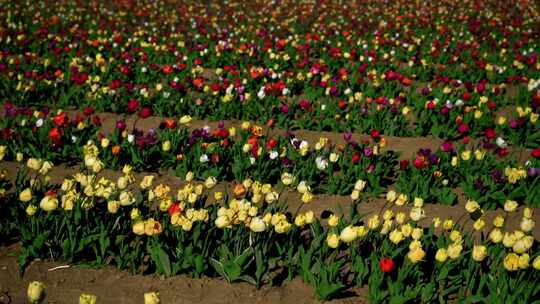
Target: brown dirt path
pixel 63 286
pixel 405 146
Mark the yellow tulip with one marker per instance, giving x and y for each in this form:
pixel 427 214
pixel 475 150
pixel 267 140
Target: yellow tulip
pixel 35 291
pixel 26 195
pixel 151 298
pixel 441 255
pixel 87 299
pixel 479 252
pixel 332 240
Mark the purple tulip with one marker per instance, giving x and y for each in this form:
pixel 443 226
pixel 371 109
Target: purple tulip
pixel 488 145
pixel 513 123
pixel 121 125
pixel 425 152
pixel 533 172
pixel 497 176
pixel 368 152
pixel 445 110
pixel 447 146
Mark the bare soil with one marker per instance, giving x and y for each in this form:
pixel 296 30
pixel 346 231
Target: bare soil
pixel 64 285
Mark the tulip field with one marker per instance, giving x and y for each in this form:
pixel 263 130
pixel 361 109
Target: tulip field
pixel 284 151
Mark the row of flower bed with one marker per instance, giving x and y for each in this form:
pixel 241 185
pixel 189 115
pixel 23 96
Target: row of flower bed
pixel 397 77
pixel 467 75
pixel 484 171
pixel 248 234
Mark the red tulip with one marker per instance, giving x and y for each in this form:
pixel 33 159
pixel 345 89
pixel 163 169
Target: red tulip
pixel 170 123
pixel 175 208
pixel 133 105
pixel 386 264
pixel 355 158
pixel 490 133
pixel 55 134
pixel 375 134
pixel 88 111
pixel 418 162
pixel 145 112
pixel 463 128
pixel 167 69
pixel 403 164
pixel 271 144
pixel 96 120
pixel 60 119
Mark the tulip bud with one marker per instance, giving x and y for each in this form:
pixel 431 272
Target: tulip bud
pixel 210 182
pixel 511 262
pixel 48 203
pixel 396 236
pixel 479 224
pixel 113 206
pixel 35 291
pixel 471 206
pixel 151 298
pixel 87 299
pixel 527 212
pixel 441 255
pixel 536 263
pixel 166 146
pixel 307 197
pixel 287 178
pixel 373 222
pixel 26 195
pixel 257 225
pixel 222 222
pixel 527 224
pixel 138 228
pixel 31 210
pixel 186 119
pixel 417 214
pixel 348 234
pixel 360 185
pixel 105 142
pixel 333 220
pixel 33 164
pixel 498 221
pixel 510 206
pixel 523 261
pixel 302 187
pixel 416 254
pixel 496 235
pixel 355 195
pixel 479 252
pixel 391 196
pixel 332 240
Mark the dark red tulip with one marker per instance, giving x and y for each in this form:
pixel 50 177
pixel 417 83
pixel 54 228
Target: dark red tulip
pixel 145 112
pixel 133 105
